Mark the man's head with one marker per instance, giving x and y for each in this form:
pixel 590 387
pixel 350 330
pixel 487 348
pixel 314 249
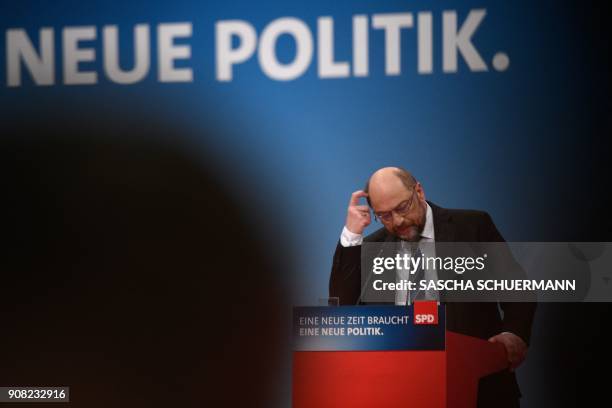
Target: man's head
pixel 398 201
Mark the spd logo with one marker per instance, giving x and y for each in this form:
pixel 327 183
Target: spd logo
pixel 425 312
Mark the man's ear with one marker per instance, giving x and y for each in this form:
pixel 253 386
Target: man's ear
pixel 419 190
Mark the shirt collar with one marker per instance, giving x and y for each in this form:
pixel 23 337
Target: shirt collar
pixel 428 230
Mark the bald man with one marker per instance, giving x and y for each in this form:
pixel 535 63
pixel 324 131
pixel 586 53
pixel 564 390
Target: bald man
pixel 398 202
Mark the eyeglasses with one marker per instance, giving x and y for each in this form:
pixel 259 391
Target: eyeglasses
pixel 401 209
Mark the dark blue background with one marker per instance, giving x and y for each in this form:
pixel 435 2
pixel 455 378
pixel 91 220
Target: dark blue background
pixel 528 145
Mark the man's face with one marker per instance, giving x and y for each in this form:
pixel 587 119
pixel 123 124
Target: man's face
pixel 402 210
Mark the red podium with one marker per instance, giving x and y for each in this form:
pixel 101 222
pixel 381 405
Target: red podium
pixel 385 379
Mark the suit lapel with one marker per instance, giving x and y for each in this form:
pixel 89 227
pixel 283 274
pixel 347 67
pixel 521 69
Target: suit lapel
pixel 444 231
pixel 443 228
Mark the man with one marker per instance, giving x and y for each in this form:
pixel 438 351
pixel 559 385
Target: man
pixel 398 201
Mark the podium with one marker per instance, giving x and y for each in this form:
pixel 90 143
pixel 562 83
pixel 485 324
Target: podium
pixel 414 366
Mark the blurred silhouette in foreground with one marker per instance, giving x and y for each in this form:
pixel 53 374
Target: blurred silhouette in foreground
pixel 130 275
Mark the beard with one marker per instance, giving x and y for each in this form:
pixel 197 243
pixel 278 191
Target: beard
pixel 408 231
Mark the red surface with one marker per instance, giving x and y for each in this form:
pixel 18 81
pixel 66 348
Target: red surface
pixel 386 379
pixel 469 359
pixel 372 379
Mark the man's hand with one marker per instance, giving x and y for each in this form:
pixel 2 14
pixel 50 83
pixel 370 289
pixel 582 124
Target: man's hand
pixel 358 216
pixel 516 349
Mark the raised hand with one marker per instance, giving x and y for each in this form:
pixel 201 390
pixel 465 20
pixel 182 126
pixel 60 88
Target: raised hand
pixel 358 216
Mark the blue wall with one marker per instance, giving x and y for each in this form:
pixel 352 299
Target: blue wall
pixel 510 142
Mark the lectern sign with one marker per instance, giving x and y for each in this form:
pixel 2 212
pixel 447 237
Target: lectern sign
pixel 425 312
pixel 369 328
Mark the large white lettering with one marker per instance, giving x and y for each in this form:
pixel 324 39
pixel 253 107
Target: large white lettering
pixel 33 57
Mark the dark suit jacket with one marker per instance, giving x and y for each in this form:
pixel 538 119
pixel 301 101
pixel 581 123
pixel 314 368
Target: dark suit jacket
pixel 481 320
